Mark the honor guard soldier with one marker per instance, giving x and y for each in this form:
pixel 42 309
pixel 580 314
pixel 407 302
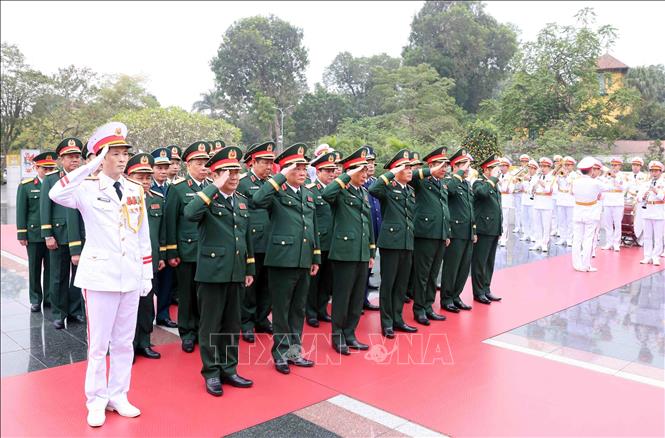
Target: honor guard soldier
pixel 352 249
pixel 565 200
pixel 527 203
pixel 293 253
pixel 375 210
pixel 398 203
pixel 320 287
pixel 651 198
pixel 613 205
pixel 518 192
pixel 256 302
pixel 29 233
pixel 431 232
pixel 182 238
pixel 139 170
pixel 457 259
pixel 506 187
pixel 164 278
pixel 487 210
pixel 586 214
pixel 176 162
pixel 115 268
pixel 225 263
pixel 65 297
pixel 635 177
pixel 542 187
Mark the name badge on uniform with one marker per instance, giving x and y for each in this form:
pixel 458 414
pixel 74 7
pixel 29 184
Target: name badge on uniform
pixel 103 199
pixel 255 187
pixel 35 191
pixel 397 191
pixel 190 194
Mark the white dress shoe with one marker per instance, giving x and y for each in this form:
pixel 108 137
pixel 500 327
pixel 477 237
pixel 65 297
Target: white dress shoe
pixel 124 409
pixel 544 248
pixel 534 248
pixel 524 238
pixel 656 261
pixel 592 269
pixel 569 244
pixel 96 417
pixel 605 247
pixel 645 261
pixel 616 248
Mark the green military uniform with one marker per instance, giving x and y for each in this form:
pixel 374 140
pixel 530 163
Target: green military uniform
pixel 66 298
pixel 457 259
pixel 395 241
pixel 182 237
pixel 432 228
pixel 320 287
pixel 351 247
pixel 224 258
pixel 292 249
pixel 28 229
pixel 417 163
pixel 487 211
pixel 256 300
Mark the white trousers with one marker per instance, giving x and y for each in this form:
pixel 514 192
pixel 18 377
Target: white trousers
pixel 111 319
pixel 527 220
pixel 553 220
pixel 565 222
pixel 652 242
pixel 611 220
pixel 505 224
pixel 542 226
pixel 517 201
pixel 583 240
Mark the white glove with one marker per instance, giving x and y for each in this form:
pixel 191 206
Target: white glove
pixel 147 287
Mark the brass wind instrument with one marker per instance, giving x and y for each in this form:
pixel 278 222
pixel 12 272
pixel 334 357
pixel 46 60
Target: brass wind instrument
pixel 517 176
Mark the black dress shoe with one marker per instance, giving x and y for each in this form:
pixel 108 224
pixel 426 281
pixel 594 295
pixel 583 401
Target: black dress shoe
pixel 188 346
pixel 388 333
pixel 301 362
pixel 76 319
pixel 325 318
pixel 312 322
pixel 167 323
pixel 450 308
pixel 59 324
pixel 47 304
pixel 263 329
pixel 341 349
pixel 248 337
pixel 492 297
pixel 147 352
pixel 35 308
pixel 370 306
pixel 421 319
pixel 372 287
pixel 435 316
pixel 404 328
pixel 482 299
pixel 214 386
pixel 355 345
pixel 282 367
pixel 238 381
pixel 460 305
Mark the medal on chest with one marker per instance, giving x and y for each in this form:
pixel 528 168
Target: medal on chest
pixel 132 212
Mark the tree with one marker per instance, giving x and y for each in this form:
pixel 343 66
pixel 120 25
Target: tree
pixel 649 80
pixel 656 151
pixel 211 102
pixel 461 41
pixel 319 113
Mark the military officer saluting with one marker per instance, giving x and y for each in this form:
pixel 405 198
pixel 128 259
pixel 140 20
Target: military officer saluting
pixel 225 263
pixel 398 204
pixel 457 259
pixel 182 239
pixel 352 249
pixel 375 210
pixel 293 253
pixel 431 232
pixel 29 232
pixel 256 302
pixel 487 209
pixel 320 287
pixel 65 297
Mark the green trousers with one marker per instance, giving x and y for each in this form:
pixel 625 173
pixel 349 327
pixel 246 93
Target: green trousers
pixel 348 295
pixel 410 288
pixel 320 289
pixel 65 297
pixel 482 264
pixel 220 328
pixel 144 317
pixel 395 270
pixel 289 287
pixel 38 255
pixel 256 298
pixel 188 308
pixel 427 260
pixel 456 267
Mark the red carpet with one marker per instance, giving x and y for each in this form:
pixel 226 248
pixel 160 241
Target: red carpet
pixel 9 242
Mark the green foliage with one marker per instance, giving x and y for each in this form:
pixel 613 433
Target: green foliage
pixel 481 141
pixel 319 113
pixel 656 151
pixel 649 80
pixel 464 43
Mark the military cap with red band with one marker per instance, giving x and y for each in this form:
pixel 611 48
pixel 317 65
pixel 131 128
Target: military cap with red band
pixel 294 154
pixel 111 135
pixel 199 150
pixel 491 161
pixel 403 157
pixel 357 158
pixel 326 160
pixel 264 150
pixel 69 145
pixel 437 155
pixel 140 163
pixel 45 159
pixel 227 158
pixel 460 156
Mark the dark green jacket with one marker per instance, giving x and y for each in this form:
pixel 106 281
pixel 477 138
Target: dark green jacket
pixel 154 205
pixel 324 215
pixel 27 210
pixel 293 241
pixel 398 205
pixel 352 232
pixel 259 219
pixel 182 236
pixel 460 204
pixel 75 232
pixel 53 216
pixel 487 206
pixel 225 252
pixel 432 215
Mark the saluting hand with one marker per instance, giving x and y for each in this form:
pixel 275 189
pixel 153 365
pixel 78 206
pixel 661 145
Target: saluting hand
pixel 221 179
pixel 288 169
pixel 495 172
pixel 355 170
pixel 438 166
pixel 398 169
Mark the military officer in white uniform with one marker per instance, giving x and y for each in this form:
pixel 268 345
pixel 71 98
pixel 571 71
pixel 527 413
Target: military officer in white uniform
pixel 506 188
pixel 565 201
pixel 542 188
pixel 586 214
pixel 115 268
pixel 613 205
pixel 517 195
pixel 651 198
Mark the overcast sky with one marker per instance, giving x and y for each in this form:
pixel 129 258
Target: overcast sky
pixel 172 43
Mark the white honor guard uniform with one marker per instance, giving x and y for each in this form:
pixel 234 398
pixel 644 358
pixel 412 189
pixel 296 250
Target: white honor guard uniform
pixel 517 196
pixel 651 198
pixel 586 215
pixel 527 204
pixel 542 187
pixel 556 159
pixel 613 206
pixel 114 270
pixel 565 203
pixel 506 188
